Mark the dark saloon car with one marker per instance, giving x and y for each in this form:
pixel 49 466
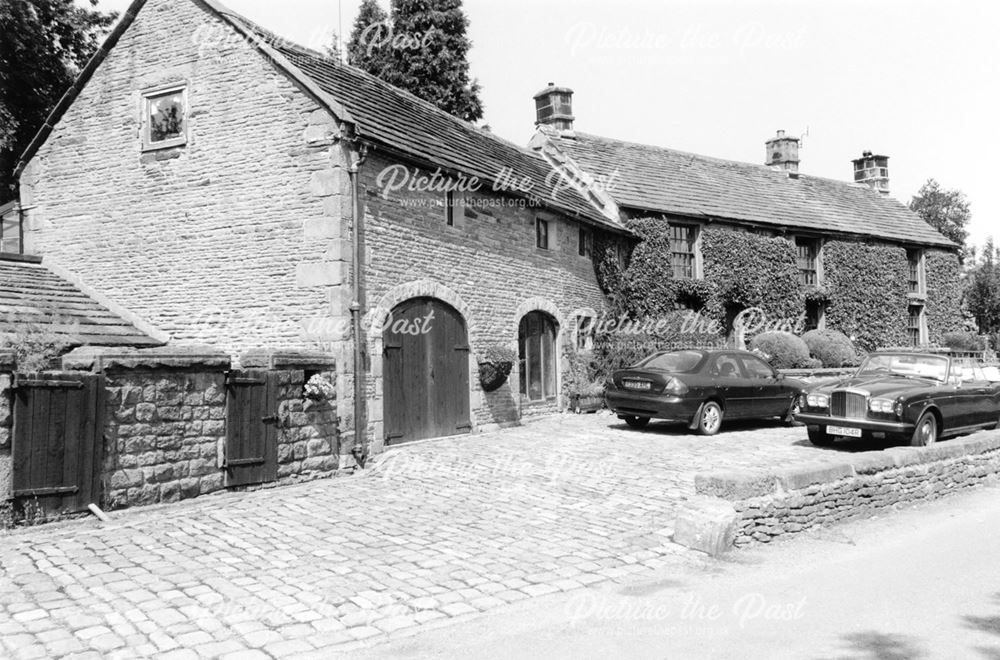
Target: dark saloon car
pixel 700 388
pixel 916 397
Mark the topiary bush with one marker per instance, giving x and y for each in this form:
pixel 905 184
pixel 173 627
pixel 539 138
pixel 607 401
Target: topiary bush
pixel 833 349
pixel 782 350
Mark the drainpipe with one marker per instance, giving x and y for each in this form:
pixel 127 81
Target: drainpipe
pixel 360 450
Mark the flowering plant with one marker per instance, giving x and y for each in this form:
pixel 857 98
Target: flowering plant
pixel 318 388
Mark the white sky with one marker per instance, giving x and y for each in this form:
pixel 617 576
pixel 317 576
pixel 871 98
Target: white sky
pixel 915 80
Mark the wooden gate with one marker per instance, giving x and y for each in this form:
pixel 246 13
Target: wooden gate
pixel 58 440
pixel 251 455
pixel 425 372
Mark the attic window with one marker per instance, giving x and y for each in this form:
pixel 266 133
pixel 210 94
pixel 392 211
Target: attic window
pixel 164 117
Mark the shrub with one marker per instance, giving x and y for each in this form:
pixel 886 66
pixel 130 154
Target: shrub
pixel 782 350
pixel 831 348
pixel 968 342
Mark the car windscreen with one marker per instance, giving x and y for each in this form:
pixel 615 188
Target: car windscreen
pixel 918 366
pixel 676 362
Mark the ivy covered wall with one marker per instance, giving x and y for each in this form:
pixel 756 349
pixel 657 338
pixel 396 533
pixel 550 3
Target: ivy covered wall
pixel 864 286
pixel 750 270
pixel 944 294
pixel 867 293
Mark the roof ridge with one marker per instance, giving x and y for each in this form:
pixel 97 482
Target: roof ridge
pixel 765 168
pixel 309 52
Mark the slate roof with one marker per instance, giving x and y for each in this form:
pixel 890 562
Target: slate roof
pixel 664 180
pixel 393 117
pixel 32 295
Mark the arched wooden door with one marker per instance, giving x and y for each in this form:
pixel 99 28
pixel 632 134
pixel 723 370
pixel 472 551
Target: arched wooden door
pixel 425 371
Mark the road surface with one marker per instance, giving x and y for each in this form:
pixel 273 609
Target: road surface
pixel 920 582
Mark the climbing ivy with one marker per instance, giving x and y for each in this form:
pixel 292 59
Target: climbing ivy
pixel 867 287
pixel 750 270
pixel 944 312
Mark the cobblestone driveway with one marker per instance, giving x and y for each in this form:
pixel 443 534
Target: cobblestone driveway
pixel 434 531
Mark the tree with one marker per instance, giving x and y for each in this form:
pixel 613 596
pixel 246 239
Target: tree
pixel 43 46
pixel 983 289
pixel 368 48
pixel 421 48
pixel 945 210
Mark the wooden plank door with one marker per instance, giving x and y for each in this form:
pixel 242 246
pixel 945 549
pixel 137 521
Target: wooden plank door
pixel 58 440
pixel 251 455
pixel 425 372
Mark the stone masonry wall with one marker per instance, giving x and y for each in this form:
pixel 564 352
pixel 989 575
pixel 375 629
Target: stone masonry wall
pixel 6 429
pixel 762 519
pixel 166 430
pixel 229 240
pixel 764 504
pixel 162 435
pixel 487 266
pixel 308 438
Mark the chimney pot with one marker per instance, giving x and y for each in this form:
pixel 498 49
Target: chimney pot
pixel 554 108
pixel 782 152
pixel 873 171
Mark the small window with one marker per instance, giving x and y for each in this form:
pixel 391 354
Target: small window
pixel 10 232
pixel 584 333
pixel 165 117
pixel 807 256
pixel 449 208
pixel 541 234
pixel 682 252
pixel 586 242
pixel 915 325
pixel 914 280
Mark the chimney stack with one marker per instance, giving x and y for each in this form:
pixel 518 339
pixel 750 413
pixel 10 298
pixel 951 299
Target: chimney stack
pixel 873 171
pixel 554 108
pixel 782 152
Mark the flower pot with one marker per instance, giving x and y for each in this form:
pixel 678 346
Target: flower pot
pixel 493 374
pixel 581 403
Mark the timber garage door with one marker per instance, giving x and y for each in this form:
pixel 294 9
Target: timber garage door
pixel 425 371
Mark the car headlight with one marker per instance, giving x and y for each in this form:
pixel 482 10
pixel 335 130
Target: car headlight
pixel 882 406
pixel 817 400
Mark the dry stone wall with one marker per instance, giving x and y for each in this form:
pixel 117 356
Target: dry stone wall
pixel 766 504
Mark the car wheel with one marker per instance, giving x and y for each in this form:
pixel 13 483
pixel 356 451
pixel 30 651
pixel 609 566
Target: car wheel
pixel 926 432
pixel 819 437
pixel 636 422
pixel 710 420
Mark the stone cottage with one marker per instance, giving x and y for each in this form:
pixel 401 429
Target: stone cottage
pixel 237 190
pixel 856 259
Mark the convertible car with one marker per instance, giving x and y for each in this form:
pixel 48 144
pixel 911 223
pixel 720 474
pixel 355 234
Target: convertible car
pixel 918 397
pixel 700 388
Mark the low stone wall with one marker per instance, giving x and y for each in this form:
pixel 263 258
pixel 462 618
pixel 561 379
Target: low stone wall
pixel 166 416
pixel 743 507
pixel 6 429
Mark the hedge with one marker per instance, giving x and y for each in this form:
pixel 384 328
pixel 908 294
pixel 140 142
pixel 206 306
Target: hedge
pixel 867 288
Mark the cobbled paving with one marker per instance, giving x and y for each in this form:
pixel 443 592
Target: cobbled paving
pixel 432 532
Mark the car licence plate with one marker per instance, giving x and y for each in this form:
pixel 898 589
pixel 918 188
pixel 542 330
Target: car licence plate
pixel 637 384
pixel 844 430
